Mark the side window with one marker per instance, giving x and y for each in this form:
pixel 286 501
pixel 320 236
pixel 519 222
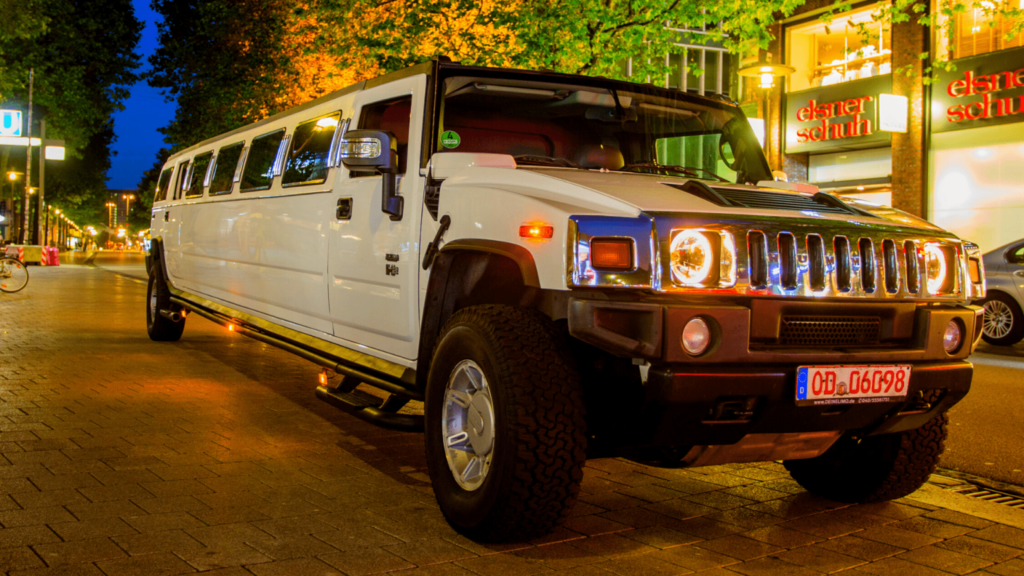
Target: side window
pixel 1015 255
pixel 391 115
pixel 198 175
pixel 179 180
pixel 163 184
pixel 259 166
pixel 311 143
pixel 224 169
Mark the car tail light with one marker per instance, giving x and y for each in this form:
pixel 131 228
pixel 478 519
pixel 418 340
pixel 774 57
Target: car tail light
pixel 611 254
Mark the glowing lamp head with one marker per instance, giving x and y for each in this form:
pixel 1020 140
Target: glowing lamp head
pixel 767 80
pixel 12 176
pixel 692 258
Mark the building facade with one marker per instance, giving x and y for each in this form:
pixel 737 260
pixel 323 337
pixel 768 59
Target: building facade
pixel 852 121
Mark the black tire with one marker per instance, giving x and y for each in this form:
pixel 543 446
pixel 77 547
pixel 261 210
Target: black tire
pixel 539 439
pixel 1016 332
pixel 11 281
pixel 876 468
pixel 158 297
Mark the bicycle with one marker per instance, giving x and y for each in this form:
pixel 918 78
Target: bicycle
pixel 13 274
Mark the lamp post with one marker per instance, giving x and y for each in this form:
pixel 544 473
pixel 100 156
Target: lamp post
pixel 11 177
pixel 110 214
pixel 127 210
pixel 767 72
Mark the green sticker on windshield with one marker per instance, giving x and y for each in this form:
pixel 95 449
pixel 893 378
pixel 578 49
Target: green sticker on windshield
pixel 449 139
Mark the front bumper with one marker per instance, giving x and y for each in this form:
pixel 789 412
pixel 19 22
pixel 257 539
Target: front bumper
pixel 741 393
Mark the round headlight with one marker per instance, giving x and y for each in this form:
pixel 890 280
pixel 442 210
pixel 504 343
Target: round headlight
pixel 691 258
pixel 935 267
pixel 696 336
pixel 953 336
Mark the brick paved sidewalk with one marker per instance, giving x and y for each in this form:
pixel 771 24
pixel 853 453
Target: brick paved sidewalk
pixel 124 456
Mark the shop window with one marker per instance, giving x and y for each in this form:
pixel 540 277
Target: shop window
pixel 978 31
pixel 853 46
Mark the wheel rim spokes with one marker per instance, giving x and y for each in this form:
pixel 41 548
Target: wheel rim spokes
pixel 998 319
pixel 467 422
pixel 13 276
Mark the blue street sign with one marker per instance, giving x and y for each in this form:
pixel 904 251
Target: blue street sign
pixel 10 122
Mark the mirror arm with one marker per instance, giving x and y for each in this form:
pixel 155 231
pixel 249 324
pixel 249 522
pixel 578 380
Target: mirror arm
pixel 391 203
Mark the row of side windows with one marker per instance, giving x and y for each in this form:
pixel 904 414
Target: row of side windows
pixel 303 159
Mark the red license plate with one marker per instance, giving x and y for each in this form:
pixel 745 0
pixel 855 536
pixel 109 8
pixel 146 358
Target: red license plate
pixel 823 385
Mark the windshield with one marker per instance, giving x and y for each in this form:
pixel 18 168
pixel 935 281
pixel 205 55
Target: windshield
pixel 630 130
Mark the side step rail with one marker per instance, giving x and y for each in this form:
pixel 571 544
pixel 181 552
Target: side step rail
pixel 348 399
pixel 365 409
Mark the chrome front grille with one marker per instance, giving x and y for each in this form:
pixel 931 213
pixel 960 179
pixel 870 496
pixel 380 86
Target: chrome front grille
pixel 813 263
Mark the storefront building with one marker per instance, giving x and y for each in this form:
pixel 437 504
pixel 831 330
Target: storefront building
pixel 951 151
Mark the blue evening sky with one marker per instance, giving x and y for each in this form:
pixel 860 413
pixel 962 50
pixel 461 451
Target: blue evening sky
pixel 145 111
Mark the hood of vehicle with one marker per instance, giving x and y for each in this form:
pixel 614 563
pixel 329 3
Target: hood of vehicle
pixel 655 194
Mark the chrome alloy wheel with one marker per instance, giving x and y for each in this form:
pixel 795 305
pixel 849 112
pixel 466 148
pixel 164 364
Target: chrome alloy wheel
pixel 998 319
pixel 153 310
pixel 467 423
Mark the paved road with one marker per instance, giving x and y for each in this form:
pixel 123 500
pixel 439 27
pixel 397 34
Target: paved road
pixel 125 456
pixel 987 433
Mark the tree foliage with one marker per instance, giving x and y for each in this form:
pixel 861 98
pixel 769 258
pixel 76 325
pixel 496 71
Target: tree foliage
pixel 83 55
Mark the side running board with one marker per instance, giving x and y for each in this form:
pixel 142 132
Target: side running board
pixel 361 405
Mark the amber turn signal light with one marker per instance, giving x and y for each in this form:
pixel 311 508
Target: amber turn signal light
pixel 611 254
pixel 536 231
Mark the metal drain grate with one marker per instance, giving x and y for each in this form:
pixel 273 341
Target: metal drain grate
pixel 990 496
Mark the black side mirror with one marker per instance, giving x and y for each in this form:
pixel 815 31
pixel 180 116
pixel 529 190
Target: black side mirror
pixel 376 149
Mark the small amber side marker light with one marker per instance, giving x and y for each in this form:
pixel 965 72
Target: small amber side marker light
pixel 231 327
pixel 323 379
pixel 536 231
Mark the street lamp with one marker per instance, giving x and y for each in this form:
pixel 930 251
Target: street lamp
pixel 766 72
pixel 110 214
pixel 127 208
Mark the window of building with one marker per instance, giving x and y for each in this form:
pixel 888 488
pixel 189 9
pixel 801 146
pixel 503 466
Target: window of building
pixel 977 31
pixel 198 175
pixel 311 143
pixel 163 185
pixel 827 54
pixel 224 169
pixel 259 166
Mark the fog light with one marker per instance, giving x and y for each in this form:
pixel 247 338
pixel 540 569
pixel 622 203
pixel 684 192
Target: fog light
pixel 696 336
pixel 953 336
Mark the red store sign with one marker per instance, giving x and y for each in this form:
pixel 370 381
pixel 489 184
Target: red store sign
pixel 985 85
pixel 826 113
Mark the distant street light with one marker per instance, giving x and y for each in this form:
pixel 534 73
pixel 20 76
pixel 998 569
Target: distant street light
pixel 127 208
pixel 110 214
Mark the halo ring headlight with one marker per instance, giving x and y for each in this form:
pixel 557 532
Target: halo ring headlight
pixel 935 267
pixel 692 258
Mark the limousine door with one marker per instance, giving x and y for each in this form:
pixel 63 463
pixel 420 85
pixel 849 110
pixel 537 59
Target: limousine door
pixel 373 280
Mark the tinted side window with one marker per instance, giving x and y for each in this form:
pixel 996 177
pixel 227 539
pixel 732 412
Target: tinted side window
pixel 195 181
pixel 307 159
pixel 179 181
pixel 163 184
pixel 259 166
pixel 1015 255
pixel 224 169
pixel 394 116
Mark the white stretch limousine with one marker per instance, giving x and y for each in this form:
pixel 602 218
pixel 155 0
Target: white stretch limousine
pixel 562 267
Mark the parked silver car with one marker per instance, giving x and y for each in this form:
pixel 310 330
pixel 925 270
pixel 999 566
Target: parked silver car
pixel 1004 272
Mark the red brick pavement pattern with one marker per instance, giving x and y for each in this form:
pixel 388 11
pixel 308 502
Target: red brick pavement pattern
pixel 123 456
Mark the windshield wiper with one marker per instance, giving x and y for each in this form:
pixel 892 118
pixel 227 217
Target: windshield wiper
pixel 545 161
pixel 689 171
